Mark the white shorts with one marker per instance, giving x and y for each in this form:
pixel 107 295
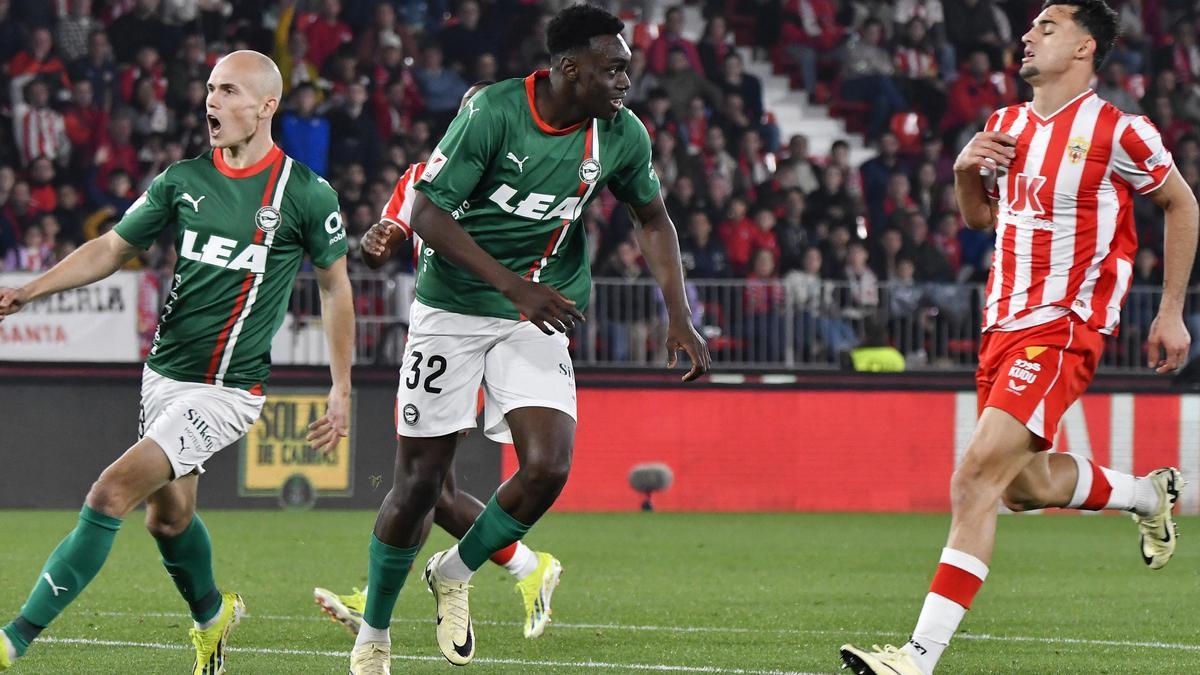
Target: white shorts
pixel 448 356
pixel 192 421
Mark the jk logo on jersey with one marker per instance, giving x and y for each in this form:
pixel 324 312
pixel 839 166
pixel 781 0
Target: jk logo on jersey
pixel 1025 197
pixel 267 218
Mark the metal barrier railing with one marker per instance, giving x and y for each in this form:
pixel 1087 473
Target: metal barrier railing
pixel 797 322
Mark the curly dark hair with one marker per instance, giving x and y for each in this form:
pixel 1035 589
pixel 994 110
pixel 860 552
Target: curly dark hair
pixel 575 26
pixel 1098 19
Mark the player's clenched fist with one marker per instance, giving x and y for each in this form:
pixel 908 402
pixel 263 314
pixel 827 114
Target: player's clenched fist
pixel 11 301
pixel 545 307
pixel 987 150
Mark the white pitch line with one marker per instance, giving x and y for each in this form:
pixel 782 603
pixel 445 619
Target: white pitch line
pixel 596 665
pixel 714 629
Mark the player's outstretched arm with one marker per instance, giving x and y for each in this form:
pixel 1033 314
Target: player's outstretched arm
pixel 543 306
pixel 89 263
pixel 337 315
pixel 1168 332
pixel 988 151
pixel 660 246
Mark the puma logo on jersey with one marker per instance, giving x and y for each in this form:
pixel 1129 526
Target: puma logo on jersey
pixel 535 206
pixel 471 110
pixel 54 588
pixel 519 162
pixel 219 252
pixel 193 201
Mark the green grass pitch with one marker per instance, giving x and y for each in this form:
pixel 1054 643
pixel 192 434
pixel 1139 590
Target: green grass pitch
pixel 723 593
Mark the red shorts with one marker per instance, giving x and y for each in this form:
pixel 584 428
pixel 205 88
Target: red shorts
pixel 1035 374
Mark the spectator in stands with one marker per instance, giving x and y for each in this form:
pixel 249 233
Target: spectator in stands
pixel 945 239
pixel 69 213
pixel 670 39
pixel 41 185
pixel 867 76
pixel 191 64
pixel 885 259
pixel 465 38
pixel 917 70
pixel 754 164
pixel 1111 88
pixel 10 32
pixel 796 157
pixel 84 120
pixel 72 30
pixel 305 134
pixel 898 203
pixel 383 31
pixel 975 25
pixel 1183 54
pixel 862 291
pixel 716 46
pixel 974 90
pixel 441 88
pixel 39 130
pixel 811 297
pixel 39 61
pixel 324 30
pixel 642 82
pixel 681 198
pixel 835 250
pixel 741 236
pixel 138 28
pixel 762 304
pixel 100 68
pixel 150 114
pixel 628 313
pixel 809 29
pixel 355 131
pixel 734 80
pixel 926 189
pixel 673 160
pixel 1185 99
pixel 33 255
pixel 715 159
pixel 146 66
pixel 790 232
pixel 703 256
pixel 683 83
pixel 116 151
pixel 1171 127
pixel 1135 39
pixel 875 173
pixel 658 116
pixel 931 265
pixel 831 201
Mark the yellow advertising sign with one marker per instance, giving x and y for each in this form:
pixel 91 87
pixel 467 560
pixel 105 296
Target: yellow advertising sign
pixel 275 452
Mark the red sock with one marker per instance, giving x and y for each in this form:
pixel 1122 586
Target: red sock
pixel 505 554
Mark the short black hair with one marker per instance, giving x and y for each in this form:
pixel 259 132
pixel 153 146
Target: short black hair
pixel 575 26
pixel 482 83
pixel 1098 19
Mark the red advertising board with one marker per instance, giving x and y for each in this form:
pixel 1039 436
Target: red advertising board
pixel 797 450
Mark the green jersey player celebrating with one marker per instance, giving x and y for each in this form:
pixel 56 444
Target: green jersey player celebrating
pixel 504 274
pixel 245 216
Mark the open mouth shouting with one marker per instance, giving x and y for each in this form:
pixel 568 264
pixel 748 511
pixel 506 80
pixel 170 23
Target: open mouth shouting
pixel 214 125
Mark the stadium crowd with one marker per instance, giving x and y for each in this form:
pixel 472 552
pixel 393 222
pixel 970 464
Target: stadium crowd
pixel 96 98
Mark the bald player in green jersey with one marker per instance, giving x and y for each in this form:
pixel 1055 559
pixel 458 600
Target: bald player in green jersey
pixel 245 216
pixel 504 274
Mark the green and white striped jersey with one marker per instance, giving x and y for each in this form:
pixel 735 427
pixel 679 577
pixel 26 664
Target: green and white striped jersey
pixel 241 236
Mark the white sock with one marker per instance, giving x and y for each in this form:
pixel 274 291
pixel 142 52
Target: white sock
pixel 938 621
pixel 940 615
pixel 1145 501
pixel 452 566
pixel 368 634
pixel 1124 494
pixel 523 562
pixel 213 621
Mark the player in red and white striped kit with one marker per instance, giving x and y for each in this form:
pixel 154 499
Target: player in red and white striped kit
pixel 456 510
pixel 1056 178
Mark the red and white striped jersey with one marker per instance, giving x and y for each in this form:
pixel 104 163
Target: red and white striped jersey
pixel 1065 236
pixel 39 132
pixel 398 209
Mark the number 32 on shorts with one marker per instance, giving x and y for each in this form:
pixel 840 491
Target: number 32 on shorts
pixel 435 367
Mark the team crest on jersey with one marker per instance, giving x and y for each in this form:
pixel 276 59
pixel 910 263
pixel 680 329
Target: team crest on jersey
pixel 589 171
pixel 411 414
pixel 1077 149
pixel 267 219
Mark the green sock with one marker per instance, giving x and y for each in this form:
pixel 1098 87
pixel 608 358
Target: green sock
pixel 386 574
pixel 188 559
pixel 493 530
pixel 67 572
